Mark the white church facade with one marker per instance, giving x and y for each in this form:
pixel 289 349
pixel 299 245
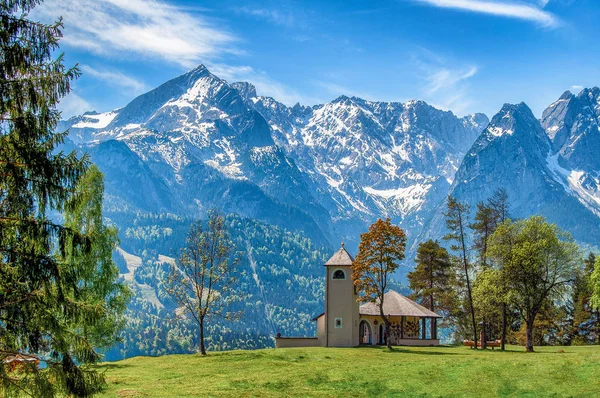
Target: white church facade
pixel 346 323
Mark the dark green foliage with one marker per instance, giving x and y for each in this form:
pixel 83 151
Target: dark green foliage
pixel 585 325
pixel 433 281
pixel 54 278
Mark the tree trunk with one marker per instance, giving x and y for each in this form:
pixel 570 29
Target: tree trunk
pixel 529 344
pixel 466 264
pixel 202 348
pixel 386 321
pixel 473 321
pixel 504 325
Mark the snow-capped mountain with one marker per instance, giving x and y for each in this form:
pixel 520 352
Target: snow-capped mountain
pixel 330 170
pixel 573 125
pixel 327 170
pixel 371 159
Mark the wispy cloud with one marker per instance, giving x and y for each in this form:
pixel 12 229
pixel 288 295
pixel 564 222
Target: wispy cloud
pixel 577 88
pixel 146 28
pixel 281 17
pixel 529 12
pixel 264 84
pixel 445 83
pixel 116 79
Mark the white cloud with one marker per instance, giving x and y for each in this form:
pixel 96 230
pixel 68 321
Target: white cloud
pixel 577 88
pixel 529 12
pixel 147 28
pixel 115 78
pixel 73 105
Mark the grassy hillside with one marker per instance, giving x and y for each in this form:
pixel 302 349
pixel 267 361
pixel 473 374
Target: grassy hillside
pixel 330 372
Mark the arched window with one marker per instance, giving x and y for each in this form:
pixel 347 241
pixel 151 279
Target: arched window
pixel 339 274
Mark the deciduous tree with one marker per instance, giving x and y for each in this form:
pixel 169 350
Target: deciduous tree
pixel 538 261
pixel 203 280
pixel 379 251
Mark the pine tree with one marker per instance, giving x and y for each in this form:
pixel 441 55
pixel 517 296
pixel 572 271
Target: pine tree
pixel 456 222
pixel 483 227
pixel 433 280
pixel 44 302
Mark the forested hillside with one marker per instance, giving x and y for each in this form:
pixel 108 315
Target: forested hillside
pixel 280 272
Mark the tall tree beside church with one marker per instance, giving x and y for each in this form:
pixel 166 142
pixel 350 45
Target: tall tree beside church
pixel 457 220
pixel 538 260
pixel 433 280
pixel 46 307
pixel 379 253
pixel 203 281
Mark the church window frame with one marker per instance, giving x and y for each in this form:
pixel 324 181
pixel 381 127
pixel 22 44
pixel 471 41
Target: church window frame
pixel 336 274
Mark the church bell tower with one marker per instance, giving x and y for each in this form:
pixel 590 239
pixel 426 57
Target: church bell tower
pixel 341 302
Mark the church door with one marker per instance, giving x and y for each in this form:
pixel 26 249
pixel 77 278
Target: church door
pixel 365 333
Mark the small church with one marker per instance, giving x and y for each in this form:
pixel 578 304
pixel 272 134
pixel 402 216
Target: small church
pixel 346 323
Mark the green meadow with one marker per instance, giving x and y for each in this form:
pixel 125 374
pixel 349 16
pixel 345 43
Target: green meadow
pixel 362 372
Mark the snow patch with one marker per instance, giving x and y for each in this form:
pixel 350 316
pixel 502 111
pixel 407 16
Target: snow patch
pixel 98 121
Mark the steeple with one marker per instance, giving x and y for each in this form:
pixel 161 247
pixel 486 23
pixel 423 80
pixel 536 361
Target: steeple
pixel 341 258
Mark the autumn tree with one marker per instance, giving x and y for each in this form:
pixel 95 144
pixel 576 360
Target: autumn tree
pixel 538 261
pixel 457 220
pixel 203 281
pixel 433 280
pixel 379 253
pixel 59 296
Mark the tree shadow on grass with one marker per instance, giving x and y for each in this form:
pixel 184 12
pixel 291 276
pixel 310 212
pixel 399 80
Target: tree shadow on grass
pixel 406 350
pixel 109 365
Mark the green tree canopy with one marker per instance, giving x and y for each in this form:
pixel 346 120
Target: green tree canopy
pixel 538 262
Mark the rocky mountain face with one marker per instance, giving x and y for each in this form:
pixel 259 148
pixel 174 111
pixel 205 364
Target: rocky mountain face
pixel 326 171
pixel 542 165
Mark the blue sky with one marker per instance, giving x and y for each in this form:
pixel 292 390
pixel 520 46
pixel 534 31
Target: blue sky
pixel 462 55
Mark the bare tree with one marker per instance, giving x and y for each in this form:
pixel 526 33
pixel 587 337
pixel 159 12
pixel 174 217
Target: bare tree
pixel 203 280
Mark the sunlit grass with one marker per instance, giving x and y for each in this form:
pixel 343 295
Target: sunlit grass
pixel 331 372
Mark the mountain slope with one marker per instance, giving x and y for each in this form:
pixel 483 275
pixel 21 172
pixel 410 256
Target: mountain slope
pixel 515 153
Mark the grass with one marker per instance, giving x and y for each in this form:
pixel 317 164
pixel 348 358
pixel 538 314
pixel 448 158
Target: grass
pixel 362 372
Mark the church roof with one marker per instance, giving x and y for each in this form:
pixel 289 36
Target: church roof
pixel 397 305
pixel 341 257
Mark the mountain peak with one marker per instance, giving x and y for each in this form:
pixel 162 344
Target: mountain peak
pixel 246 90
